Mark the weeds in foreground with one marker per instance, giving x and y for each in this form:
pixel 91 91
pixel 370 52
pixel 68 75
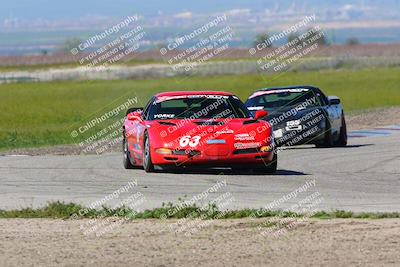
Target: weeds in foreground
pixel 61 210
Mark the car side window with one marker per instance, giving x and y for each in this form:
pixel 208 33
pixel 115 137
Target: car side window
pixel 146 109
pixel 322 98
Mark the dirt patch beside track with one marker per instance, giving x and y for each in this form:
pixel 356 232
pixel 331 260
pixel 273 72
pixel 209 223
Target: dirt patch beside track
pixel 223 243
pixel 373 118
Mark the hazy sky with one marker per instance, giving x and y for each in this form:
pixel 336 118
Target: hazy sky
pixel 53 9
pixel 78 8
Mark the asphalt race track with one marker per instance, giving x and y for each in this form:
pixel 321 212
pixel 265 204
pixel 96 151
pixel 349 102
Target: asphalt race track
pixel 365 176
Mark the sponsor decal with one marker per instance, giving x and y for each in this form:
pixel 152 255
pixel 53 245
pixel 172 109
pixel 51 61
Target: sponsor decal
pixel 208 96
pixel 246 145
pixel 227 131
pixel 256 108
pixel 293 125
pixel 166 98
pixel 163 116
pixel 244 137
pixel 295 90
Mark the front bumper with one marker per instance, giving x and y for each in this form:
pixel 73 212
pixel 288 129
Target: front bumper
pixel 200 158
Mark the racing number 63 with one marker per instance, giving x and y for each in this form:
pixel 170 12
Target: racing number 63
pixel 188 140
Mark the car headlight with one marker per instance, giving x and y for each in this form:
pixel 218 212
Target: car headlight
pixel 267 148
pixel 164 151
pixel 278 133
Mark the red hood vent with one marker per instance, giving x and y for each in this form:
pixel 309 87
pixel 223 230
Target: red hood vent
pixel 209 123
pixel 250 122
pixel 167 123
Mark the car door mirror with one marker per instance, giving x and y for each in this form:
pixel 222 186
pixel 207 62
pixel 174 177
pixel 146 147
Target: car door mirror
pixel 131 110
pixel 260 114
pixel 135 116
pixel 334 101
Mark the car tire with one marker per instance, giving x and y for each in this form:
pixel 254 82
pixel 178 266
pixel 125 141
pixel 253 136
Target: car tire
pixel 126 154
pixel 147 163
pixel 269 168
pixel 342 141
pixel 328 139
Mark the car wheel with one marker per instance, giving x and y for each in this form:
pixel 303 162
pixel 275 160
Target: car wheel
pixel 126 156
pixel 147 164
pixel 328 140
pixel 269 168
pixel 342 141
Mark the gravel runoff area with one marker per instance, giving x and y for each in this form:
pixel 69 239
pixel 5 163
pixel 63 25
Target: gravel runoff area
pixel 356 121
pixel 339 242
pixel 373 118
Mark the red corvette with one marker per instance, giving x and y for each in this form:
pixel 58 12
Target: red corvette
pixel 210 129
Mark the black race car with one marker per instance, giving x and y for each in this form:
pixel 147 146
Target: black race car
pixel 301 115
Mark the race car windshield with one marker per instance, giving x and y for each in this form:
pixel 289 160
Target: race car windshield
pixel 282 99
pixel 202 107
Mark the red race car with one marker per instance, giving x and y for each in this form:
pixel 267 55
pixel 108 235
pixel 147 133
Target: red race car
pixel 209 129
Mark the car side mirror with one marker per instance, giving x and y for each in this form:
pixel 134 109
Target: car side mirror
pixel 260 114
pixel 135 116
pixel 334 101
pixel 131 110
